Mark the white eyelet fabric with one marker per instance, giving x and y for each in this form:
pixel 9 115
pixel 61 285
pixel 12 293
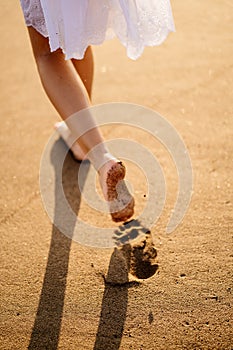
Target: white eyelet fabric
pixel 73 25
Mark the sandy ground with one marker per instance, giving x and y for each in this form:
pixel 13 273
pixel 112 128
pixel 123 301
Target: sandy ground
pixel 55 293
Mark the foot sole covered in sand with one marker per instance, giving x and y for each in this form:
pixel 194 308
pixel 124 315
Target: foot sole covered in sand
pixel 121 202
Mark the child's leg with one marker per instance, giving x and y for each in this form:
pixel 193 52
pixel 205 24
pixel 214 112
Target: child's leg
pixel 59 78
pixel 63 85
pixel 85 69
pixel 67 93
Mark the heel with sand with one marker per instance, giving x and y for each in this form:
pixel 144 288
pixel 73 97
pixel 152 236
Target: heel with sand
pixel 121 202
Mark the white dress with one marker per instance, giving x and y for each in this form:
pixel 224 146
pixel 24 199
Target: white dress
pixel 73 25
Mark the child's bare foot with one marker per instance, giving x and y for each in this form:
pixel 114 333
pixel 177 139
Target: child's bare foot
pixel 116 193
pixel 66 135
pixel 111 175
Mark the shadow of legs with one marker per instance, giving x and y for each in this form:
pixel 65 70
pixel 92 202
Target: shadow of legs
pixel 46 329
pixel 139 260
pixel 114 307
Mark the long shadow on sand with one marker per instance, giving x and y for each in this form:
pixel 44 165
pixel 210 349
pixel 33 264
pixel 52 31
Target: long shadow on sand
pixel 139 260
pixel 46 329
pixel 113 310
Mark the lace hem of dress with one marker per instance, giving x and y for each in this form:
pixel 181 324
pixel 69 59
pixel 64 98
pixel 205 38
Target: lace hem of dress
pixel 73 28
pixel 33 15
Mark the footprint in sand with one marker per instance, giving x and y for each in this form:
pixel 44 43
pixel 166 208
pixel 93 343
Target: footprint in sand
pixel 129 231
pixel 138 249
pixel 143 255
